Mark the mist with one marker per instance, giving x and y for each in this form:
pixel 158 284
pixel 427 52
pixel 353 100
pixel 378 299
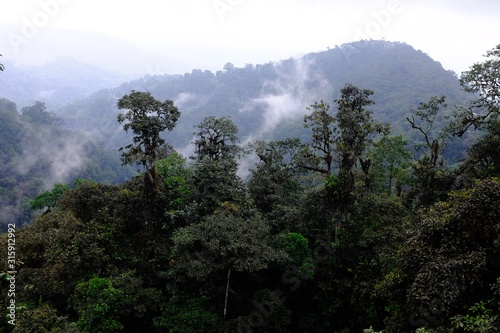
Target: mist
pixel 286 97
pixel 58 156
pixel 50 153
pixel 283 100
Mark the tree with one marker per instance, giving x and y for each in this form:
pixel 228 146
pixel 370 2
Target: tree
pixel 482 79
pixel 43 318
pixel 50 199
pixel 275 184
pixel 483 157
pixel 38 114
pixel 216 152
pixel 343 137
pixel 97 304
pixel 356 129
pixel 450 260
pixel 176 177
pixel 222 243
pixel 147 118
pixel 323 137
pixel 188 317
pixel 216 140
pixel 432 180
pixel 390 159
pixel 427 114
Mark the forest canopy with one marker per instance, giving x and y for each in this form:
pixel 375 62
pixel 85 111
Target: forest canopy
pixel 350 229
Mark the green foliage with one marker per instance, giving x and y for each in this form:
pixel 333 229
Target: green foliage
pixel 221 241
pixel 216 151
pixel 277 182
pixel 390 164
pixel 191 316
pixel 450 256
pixel 313 240
pixel 356 126
pixel 216 139
pixel 42 319
pixel 343 138
pixel 331 181
pixel 49 199
pixel 297 248
pixel 481 79
pixel 38 115
pixel 432 181
pixel 96 302
pixel 323 131
pixel 483 157
pixel 147 118
pixel 175 174
pixel 480 319
pixel 177 188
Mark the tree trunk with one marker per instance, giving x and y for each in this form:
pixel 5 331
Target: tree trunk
pixel 227 292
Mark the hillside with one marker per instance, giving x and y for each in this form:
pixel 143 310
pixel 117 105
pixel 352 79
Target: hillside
pixel 265 101
pixel 345 229
pixel 56 83
pixel 269 100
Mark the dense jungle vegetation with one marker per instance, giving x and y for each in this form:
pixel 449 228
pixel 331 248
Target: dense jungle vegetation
pixel 347 228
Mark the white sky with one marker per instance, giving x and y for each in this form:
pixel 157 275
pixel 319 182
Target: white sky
pixel 206 34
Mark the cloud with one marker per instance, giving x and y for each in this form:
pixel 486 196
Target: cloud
pixel 184 98
pixel 55 154
pixel 287 96
pixel 283 99
pixel 49 156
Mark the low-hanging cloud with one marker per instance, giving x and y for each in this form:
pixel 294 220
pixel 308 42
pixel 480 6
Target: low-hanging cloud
pixel 286 97
pixel 49 156
pixel 60 156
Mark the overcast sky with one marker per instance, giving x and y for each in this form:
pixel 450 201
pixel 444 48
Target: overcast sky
pixel 179 35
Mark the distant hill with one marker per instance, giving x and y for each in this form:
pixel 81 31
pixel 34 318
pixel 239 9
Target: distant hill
pixel 269 100
pixel 56 83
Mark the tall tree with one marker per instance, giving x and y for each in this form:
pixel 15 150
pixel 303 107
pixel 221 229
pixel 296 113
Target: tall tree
pixel 482 79
pixel 216 153
pixel 323 130
pixel 357 129
pixel 276 175
pixel 147 118
pixel 432 179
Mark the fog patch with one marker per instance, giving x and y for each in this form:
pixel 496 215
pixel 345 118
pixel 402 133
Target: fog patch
pixel 285 98
pixel 53 153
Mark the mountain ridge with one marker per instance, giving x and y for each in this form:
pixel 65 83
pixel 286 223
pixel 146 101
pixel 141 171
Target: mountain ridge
pixel 262 98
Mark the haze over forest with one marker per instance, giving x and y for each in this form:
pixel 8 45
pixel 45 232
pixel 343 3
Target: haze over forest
pixel 349 188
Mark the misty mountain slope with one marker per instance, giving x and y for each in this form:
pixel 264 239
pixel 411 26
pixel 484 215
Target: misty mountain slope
pixel 56 83
pixel 36 153
pixel 269 100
